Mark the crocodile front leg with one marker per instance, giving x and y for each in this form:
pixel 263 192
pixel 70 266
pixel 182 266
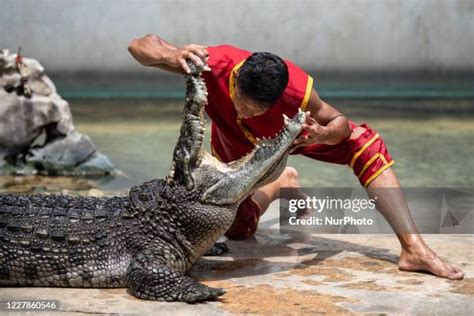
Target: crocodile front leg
pixel 148 277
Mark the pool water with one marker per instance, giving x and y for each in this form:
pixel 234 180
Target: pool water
pixel 431 141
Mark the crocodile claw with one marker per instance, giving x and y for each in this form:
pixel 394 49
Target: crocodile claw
pixel 200 292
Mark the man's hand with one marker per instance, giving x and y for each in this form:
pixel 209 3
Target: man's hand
pixel 196 53
pixel 324 124
pixel 151 50
pixel 316 133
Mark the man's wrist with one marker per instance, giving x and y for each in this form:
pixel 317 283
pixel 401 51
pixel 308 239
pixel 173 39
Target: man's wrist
pixel 340 129
pixel 324 135
pixel 167 57
pixel 330 135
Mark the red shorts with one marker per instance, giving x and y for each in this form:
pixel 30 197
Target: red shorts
pixel 246 220
pixel 366 154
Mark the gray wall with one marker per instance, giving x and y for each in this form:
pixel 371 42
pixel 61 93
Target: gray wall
pixel 334 35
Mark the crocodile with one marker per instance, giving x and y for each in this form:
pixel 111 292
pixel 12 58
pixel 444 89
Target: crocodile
pixel 148 239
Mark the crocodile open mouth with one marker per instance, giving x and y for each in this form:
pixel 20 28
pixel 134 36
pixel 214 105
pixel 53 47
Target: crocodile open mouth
pixel 261 166
pixel 277 168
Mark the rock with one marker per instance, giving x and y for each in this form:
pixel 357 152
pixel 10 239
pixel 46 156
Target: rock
pixel 36 127
pixel 96 163
pixel 64 153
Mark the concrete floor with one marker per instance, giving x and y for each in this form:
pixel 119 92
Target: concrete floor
pixel 298 274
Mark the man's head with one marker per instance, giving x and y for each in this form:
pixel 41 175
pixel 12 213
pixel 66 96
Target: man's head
pixel 259 83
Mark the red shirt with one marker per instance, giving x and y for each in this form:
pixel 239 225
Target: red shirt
pixel 233 136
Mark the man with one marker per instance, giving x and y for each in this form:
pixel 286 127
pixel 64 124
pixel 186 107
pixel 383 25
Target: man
pixel 248 93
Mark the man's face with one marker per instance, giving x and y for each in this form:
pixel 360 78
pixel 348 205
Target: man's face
pixel 245 106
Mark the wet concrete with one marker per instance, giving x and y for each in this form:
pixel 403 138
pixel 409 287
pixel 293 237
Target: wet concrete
pixel 298 274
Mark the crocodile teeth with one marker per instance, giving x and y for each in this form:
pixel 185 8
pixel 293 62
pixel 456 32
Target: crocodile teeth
pixel 286 119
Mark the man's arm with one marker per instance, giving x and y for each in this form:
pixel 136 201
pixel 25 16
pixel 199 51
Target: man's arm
pixel 324 124
pixel 153 51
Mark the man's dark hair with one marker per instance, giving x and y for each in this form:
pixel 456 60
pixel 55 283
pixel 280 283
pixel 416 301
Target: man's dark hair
pixel 263 77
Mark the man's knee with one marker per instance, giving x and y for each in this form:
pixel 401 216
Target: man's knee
pixel 290 173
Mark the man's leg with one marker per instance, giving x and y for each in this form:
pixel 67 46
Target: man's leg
pixel 271 192
pixel 415 255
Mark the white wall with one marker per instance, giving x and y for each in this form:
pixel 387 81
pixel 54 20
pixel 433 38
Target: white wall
pixel 340 35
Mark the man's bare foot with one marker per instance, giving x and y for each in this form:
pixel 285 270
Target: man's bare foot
pixel 426 259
